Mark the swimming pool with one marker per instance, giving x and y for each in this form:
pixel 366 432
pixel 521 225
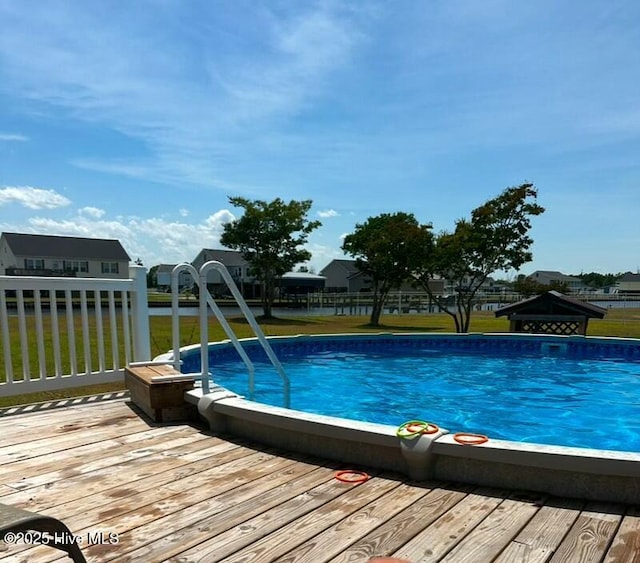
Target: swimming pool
pixel 566 391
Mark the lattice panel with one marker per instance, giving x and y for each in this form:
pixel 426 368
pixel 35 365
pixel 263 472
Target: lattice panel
pixel 550 327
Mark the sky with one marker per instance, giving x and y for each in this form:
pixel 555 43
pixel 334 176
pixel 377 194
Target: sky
pixel 138 120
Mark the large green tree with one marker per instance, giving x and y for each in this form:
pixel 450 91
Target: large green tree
pixel 495 238
pixel 388 248
pixel 270 235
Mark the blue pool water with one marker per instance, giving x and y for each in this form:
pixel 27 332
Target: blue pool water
pixel 584 398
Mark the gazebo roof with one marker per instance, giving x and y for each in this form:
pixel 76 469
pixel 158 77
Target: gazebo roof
pixel 552 303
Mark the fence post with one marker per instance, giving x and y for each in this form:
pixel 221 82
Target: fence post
pixel 140 314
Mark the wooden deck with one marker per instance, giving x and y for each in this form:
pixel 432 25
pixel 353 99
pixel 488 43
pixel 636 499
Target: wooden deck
pixel 174 492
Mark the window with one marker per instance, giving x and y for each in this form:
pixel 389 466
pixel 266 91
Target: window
pixel 75 266
pixel 109 267
pixel 33 264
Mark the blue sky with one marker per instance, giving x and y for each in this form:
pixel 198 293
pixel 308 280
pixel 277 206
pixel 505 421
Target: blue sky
pixel 137 120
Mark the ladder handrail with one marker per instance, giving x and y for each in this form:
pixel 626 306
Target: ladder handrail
pixel 248 315
pixel 205 298
pixel 175 273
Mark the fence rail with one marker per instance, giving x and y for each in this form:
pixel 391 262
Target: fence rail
pixel 400 302
pixel 111 330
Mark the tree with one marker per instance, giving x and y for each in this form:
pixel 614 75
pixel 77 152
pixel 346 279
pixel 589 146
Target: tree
pixel 495 238
pixel 388 248
pixel 269 235
pixel 152 276
pixel 594 279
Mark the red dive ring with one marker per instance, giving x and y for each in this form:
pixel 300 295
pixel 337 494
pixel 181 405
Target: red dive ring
pixel 351 476
pixel 469 439
pixel 414 428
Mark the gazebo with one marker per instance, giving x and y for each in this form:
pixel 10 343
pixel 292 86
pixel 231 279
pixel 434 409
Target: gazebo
pixel 551 313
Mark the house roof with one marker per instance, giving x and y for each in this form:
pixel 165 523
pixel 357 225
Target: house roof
pixel 553 275
pixel 552 303
pixel 227 257
pixel 349 265
pixel 630 277
pixel 165 268
pixel 302 276
pixel 53 246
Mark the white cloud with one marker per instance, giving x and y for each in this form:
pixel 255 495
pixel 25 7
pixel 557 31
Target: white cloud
pixel 33 198
pixel 155 240
pixel 82 67
pixel 321 255
pixel 219 218
pixel 13 137
pixel 328 213
pixel 184 212
pixel 94 212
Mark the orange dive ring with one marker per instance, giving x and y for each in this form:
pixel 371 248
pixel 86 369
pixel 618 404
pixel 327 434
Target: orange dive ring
pixel 351 476
pixel 469 439
pixel 413 428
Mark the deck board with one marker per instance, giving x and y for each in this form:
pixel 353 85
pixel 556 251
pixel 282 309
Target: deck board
pixel 590 536
pixel 626 544
pixel 544 533
pixel 174 492
pixel 341 535
pixel 399 529
pixel 487 539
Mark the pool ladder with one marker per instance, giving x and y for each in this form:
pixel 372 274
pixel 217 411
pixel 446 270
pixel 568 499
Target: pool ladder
pixel 206 300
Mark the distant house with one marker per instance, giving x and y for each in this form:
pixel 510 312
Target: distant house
pixel 451 287
pixel 163 277
pixel 49 255
pixel 550 277
pixel 629 283
pixel 298 283
pixel 343 275
pixel 238 268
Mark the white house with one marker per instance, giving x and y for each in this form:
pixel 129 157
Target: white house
pixel 549 277
pixel 163 277
pixel 629 283
pixel 49 255
pixel 238 268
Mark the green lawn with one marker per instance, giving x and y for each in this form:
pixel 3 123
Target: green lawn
pixel 618 322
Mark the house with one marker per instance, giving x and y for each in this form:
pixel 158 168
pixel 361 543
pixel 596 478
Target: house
pixel 343 275
pixel 238 267
pixel 628 284
pixel 240 270
pixel 452 286
pixel 50 255
pixel 298 283
pixel 163 277
pixel 550 277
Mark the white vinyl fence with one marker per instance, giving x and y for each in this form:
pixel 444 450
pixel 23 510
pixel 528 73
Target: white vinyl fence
pixel 92 328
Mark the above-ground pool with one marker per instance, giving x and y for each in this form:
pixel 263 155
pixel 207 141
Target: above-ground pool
pixel 566 391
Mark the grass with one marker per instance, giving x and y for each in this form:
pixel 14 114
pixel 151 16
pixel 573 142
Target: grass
pixel 618 322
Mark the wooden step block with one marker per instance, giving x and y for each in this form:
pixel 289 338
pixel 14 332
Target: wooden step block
pixel 159 391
